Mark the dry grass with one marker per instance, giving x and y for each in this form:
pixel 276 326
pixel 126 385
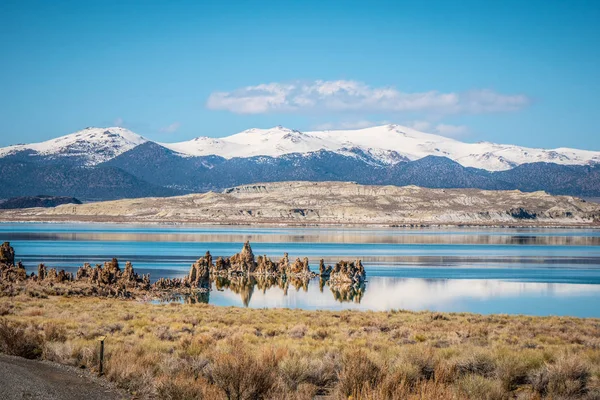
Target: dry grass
pixel 198 351
pixel 19 339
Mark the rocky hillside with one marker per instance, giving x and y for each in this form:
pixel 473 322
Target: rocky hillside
pixel 334 203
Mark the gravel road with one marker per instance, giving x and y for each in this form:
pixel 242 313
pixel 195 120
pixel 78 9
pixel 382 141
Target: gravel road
pixel 29 379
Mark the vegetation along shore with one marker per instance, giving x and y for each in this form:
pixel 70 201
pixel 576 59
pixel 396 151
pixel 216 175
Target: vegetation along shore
pixel 180 350
pixel 199 351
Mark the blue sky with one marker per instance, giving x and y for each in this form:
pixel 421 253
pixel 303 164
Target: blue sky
pixel 523 72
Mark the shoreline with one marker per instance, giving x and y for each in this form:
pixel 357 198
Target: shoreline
pixel 164 295
pixel 107 221
pixel 333 204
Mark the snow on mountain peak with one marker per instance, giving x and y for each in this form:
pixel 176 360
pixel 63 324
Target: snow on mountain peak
pixel 387 144
pixel 262 134
pixel 92 145
pixel 274 142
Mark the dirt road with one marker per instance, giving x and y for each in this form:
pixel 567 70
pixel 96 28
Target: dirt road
pixel 29 379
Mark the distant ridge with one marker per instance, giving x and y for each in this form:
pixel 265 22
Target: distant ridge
pixel 112 163
pixel 385 145
pixel 36 201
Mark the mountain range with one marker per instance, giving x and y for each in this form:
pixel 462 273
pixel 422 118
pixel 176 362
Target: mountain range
pixel 112 163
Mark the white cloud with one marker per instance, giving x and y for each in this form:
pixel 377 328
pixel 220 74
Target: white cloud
pixel 348 96
pixel 359 124
pixel 170 128
pixel 451 130
pixel 118 122
pixel 442 129
pixel 423 126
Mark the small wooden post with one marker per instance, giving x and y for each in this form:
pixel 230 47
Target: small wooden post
pixel 101 356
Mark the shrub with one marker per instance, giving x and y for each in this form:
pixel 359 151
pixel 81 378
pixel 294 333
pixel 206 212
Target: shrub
pixel 398 381
pixel 480 388
pixel 298 331
pixel 420 337
pixel 164 333
pixel 305 391
pixel 177 388
pixel 5 309
pixel 131 370
pixel 55 333
pixel 439 317
pixel 358 373
pixel 294 371
pixel 514 369
pixel 241 375
pixel 568 377
pixel 19 340
pixel 424 360
pixel 478 363
pixel 59 352
pixel 128 317
pixel 324 371
pixel 320 334
pixel 113 328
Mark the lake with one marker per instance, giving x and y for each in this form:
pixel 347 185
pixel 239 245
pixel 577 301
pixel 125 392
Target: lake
pixel 512 271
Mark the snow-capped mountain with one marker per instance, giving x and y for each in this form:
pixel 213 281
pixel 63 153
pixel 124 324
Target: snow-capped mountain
pixel 275 142
pixel 90 146
pixel 388 144
pixel 119 163
pixel 381 145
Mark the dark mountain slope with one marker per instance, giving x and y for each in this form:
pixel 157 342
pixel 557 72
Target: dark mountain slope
pixel 576 180
pixel 161 166
pixel 164 167
pixel 36 201
pixel 95 183
pixel 153 170
pixel 441 172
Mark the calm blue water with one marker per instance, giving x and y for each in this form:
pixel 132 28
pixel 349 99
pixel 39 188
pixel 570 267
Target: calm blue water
pixel 525 271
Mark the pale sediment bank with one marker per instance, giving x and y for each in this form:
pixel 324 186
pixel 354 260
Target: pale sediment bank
pixel 333 204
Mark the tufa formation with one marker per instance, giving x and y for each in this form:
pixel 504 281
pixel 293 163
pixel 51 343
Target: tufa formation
pixel 243 265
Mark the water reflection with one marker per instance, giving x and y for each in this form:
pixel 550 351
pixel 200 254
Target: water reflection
pixel 348 293
pixel 173 252
pixel 489 237
pixel 246 286
pixel 381 294
pixel 529 270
